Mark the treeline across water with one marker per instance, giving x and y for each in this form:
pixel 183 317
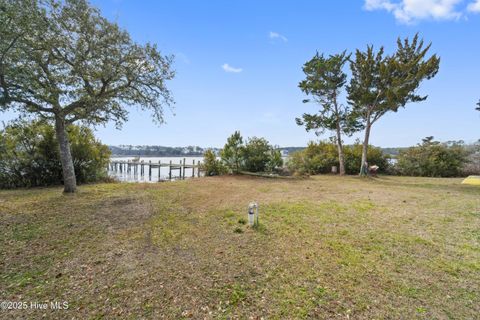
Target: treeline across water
pixel 163 151
pixel 158 151
pixel 192 151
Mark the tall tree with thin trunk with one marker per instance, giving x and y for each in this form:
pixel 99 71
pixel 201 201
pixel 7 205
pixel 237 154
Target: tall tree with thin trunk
pixel 324 81
pixel 381 84
pixel 61 60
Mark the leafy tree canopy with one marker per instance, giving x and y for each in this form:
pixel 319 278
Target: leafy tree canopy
pixel 62 60
pixel 65 58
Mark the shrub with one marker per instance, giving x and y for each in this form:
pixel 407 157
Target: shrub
pixel 472 167
pixel 316 158
pixel 375 156
pixel 29 155
pixel 211 165
pixel 257 155
pixel 320 157
pixel 275 162
pixel 433 159
pixel 90 156
pixel 231 153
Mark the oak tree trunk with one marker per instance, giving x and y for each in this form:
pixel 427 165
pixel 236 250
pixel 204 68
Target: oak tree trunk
pixel 69 180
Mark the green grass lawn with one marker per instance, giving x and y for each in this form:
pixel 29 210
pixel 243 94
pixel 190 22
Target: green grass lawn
pixel 328 247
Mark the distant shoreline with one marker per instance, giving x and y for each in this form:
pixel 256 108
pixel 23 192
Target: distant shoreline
pixel 155 156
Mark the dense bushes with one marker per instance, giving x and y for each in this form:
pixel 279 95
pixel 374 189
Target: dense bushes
pixel 375 156
pixel 29 155
pixel 211 165
pixel 259 156
pixel 320 157
pixel 256 155
pixel 316 158
pixel 433 159
pixel 472 167
pixel 429 159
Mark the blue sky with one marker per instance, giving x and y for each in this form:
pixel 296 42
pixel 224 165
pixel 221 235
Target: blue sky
pixel 239 63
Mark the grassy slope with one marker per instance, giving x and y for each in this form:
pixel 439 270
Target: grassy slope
pixel 328 248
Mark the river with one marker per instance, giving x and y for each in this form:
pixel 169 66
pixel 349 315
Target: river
pixel 164 171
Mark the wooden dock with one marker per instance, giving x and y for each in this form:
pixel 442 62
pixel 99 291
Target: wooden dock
pixel 141 168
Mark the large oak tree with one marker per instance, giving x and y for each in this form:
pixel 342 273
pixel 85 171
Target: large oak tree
pixel 61 60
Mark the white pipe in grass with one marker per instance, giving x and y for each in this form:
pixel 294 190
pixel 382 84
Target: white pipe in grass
pixel 252 214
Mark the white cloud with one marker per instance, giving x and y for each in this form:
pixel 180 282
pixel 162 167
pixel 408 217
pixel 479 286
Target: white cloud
pixel 474 6
pixel 410 11
pixel 276 35
pixel 228 68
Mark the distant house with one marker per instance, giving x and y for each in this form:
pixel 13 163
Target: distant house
pixel 284 153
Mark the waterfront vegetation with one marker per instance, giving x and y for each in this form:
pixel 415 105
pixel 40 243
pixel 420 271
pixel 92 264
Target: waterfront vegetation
pixel 320 157
pixel 30 157
pixel 256 155
pixel 328 247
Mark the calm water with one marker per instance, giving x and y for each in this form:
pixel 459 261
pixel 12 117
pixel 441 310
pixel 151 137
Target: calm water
pixel 131 177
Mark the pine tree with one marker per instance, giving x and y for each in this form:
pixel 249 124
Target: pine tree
pixel 324 81
pixel 382 84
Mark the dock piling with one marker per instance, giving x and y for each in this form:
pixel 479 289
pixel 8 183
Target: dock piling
pixel 183 174
pixel 136 169
pixel 150 170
